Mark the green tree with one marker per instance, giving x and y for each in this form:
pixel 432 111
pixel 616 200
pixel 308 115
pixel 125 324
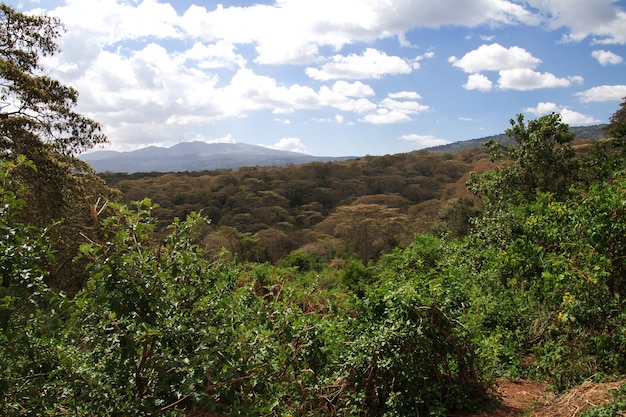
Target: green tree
pixel 608 156
pixel 543 160
pixel 617 122
pixel 38 120
pixel 37 109
pixel 31 350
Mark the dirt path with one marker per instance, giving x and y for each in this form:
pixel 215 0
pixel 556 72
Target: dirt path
pixel 534 399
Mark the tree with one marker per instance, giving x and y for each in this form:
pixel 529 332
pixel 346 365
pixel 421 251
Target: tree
pixel 617 122
pixel 36 109
pixel 543 160
pixel 369 229
pixel 608 157
pixel 38 120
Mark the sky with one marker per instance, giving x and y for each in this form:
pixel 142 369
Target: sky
pixel 335 77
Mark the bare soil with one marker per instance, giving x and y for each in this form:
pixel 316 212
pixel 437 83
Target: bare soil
pixel 534 399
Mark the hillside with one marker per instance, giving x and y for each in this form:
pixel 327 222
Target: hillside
pixel 590 133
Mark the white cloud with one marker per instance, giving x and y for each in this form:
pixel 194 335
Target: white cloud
pixel 335 97
pixel 386 116
pixel 603 93
pixel 409 107
pixel 307 25
pixel 603 20
pixel 288 144
pixel 405 94
pixel 495 57
pixel 394 110
pixel 568 116
pixel 339 118
pixel 113 22
pixel 371 64
pixel 355 89
pixel 224 139
pixel 525 79
pixel 478 82
pixel 217 55
pixel 607 57
pixel 424 141
pixel 515 68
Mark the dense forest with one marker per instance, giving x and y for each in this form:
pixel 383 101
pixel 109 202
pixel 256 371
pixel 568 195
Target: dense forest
pixel 362 207
pixel 384 286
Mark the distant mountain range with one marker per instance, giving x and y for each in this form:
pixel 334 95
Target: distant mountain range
pixel 200 156
pixel 196 156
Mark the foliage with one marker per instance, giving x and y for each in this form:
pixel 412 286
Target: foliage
pixel 357 277
pixel 299 259
pixel 36 108
pixel 543 160
pixel 409 353
pixel 617 122
pixel 614 408
pixel 31 362
pixel 38 120
pixel 550 262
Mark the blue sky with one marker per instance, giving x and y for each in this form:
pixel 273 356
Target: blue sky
pixel 336 77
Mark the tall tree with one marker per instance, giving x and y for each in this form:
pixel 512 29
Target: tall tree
pixel 35 108
pixel 38 120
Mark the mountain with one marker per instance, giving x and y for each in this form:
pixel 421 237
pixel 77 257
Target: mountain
pixel 195 156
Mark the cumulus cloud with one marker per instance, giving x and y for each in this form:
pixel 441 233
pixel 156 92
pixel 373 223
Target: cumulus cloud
pixel 217 55
pixel 224 139
pixel 355 89
pixel 568 116
pixel 603 93
pixel 495 57
pixel 112 22
pixel 515 67
pixel 405 94
pixel 478 82
pixel 602 20
pixel 607 57
pixel 394 109
pixel 386 116
pixel 525 79
pixel 371 64
pixel 288 144
pixel 307 25
pixel 424 141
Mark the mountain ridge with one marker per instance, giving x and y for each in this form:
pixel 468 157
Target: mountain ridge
pixel 196 156
pixel 202 156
